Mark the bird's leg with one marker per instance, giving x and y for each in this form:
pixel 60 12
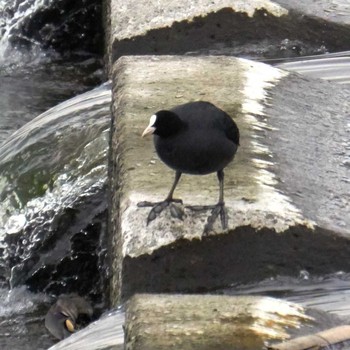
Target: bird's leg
pixel 218 209
pixel 158 207
pixel 170 198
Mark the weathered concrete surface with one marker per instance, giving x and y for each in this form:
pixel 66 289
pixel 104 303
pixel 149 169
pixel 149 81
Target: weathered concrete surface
pixel 206 322
pixel 286 191
pixel 259 28
pixel 173 26
pixel 312 148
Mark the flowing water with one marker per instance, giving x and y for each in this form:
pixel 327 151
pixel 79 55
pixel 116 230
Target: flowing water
pixel 52 166
pixel 53 174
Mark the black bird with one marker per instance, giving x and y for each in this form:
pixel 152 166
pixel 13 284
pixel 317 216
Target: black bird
pixel 195 138
pixel 61 319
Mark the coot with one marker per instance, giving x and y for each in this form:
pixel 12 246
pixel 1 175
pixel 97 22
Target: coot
pixel 195 138
pixel 61 318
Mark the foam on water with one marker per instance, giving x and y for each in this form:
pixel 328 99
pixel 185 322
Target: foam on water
pixel 56 162
pixel 19 301
pixel 13 15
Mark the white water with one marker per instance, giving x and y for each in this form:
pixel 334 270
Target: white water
pixel 51 164
pixel 69 143
pixel 332 67
pixel 83 120
pixel 18 301
pixel 13 15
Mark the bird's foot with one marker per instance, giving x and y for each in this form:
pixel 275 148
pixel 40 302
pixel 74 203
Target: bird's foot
pixel 175 211
pixel 216 211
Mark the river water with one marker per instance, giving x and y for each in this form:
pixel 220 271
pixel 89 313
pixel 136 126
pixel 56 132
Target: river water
pixel 54 124
pixel 53 149
pixel 53 210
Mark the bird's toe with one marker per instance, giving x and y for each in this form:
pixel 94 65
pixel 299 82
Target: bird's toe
pixel 224 217
pixel 145 204
pixel 156 210
pixel 218 210
pixel 176 211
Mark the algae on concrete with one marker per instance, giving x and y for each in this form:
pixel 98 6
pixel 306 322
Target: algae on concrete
pixel 206 322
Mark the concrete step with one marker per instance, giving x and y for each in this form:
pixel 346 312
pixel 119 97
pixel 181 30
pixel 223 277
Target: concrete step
pixel 286 191
pixel 259 28
pixel 205 322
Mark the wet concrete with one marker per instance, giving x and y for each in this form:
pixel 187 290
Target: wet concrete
pixel 243 256
pixel 256 28
pixel 272 229
pixel 310 143
pixel 200 322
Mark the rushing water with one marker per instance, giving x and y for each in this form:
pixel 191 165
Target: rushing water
pixel 332 67
pixel 27 91
pixel 21 317
pixel 32 30
pixel 63 152
pixel 329 293
pixel 52 164
pixel 46 167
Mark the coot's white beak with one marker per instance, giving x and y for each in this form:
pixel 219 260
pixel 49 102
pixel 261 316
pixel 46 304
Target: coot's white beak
pixel 150 128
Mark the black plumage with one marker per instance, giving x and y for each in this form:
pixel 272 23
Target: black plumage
pixel 61 319
pixel 195 138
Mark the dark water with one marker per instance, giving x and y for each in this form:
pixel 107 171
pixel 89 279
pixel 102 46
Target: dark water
pixel 21 320
pixel 53 172
pixel 27 91
pixel 52 205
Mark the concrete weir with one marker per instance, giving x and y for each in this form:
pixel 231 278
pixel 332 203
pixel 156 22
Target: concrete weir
pixel 273 229
pixel 175 26
pixel 286 192
pixel 205 322
pixel 229 27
